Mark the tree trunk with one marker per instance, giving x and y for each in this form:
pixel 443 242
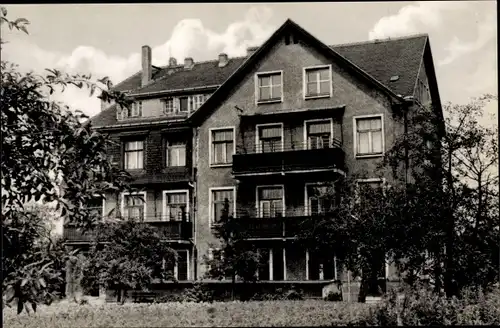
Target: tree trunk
pixel 233 284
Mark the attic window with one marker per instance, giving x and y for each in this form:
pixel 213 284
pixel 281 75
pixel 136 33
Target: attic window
pixel 394 78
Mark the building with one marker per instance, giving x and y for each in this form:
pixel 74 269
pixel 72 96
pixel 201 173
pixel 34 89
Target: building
pixel 265 131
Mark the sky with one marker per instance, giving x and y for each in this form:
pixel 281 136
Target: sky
pixel 106 39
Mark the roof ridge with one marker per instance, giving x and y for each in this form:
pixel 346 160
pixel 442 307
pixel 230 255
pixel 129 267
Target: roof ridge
pixel 389 39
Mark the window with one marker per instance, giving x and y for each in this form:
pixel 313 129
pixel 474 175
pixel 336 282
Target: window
pixel 270 202
pixel 369 135
pixel 319 134
pixel 270 138
pixel 168 106
pixel 180 268
pixel 265 265
pixel 176 153
pixel 121 112
pixel 369 188
pixel 176 207
pixel 96 206
pixel 317 81
pixel 218 197
pixel 269 86
pixel 222 146
pixel 320 199
pixel 134 206
pixel 136 109
pixel 183 105
pixel 216 253
pixel 321 266
pixel 134 155
pixel 196 101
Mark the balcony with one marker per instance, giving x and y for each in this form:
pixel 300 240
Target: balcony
pixel 167 175
pixel 169 230
pixel 278 224
pixel 292 157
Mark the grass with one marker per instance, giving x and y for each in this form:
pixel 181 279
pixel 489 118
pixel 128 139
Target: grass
pixel 227 314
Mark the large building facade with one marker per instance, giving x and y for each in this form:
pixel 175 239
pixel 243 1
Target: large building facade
pixel 265 131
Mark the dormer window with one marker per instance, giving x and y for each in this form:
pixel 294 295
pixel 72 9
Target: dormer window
pixel 184 104
pixel 136 109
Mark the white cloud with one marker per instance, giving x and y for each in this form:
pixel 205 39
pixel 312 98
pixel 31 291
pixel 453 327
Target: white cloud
pixel 413 19
pixel 486 32
pixel 190 38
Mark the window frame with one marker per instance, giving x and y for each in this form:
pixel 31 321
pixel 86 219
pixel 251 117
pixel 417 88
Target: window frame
pixel 355 135
pixel 144 196
pixel 304 81
pixel 257 200
pixel 258 101
pixel 125 151
pixel 164 203
pixel 306 131
pixel 211 190
pixel 211 146
pixel 176 265
pixel 168 147
pixel 258 148
pixel 136 109
pixel 307 207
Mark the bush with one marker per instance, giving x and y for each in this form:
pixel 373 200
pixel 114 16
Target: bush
pixel 280 294
pixel 198 293
pixel 423 308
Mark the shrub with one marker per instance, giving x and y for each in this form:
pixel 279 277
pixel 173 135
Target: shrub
pixel 280 294
pixel 198 293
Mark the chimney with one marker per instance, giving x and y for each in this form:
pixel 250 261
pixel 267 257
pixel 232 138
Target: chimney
pixel 251 50
pixel 188 63
pixel 146 65
pixel 172 61
pixel 223 60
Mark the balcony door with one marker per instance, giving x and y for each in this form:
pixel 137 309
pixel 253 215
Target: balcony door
pixel 318 134
pixel 320 199
pixel 269 138
pixel 175 205
pixel 270 202
pixel 134 206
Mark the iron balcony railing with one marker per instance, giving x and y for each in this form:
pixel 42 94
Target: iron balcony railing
pixel 258 223
pixel 168 228
pixel 281 158
pixel 289 146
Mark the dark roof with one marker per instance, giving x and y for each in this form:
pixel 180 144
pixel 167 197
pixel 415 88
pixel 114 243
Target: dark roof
pixel 380 60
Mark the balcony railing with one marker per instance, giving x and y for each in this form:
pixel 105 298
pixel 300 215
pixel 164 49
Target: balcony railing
pixel 279 223
pixel 288 157
pixel 170 230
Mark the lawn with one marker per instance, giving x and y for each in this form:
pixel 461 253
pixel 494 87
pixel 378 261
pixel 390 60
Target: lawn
pixel 269 313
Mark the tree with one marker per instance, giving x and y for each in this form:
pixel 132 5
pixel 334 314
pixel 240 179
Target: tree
pixel 49 155
pixel 127 255
pixel 235 257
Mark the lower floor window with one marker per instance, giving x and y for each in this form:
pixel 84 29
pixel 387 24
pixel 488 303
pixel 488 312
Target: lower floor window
pixel 179 269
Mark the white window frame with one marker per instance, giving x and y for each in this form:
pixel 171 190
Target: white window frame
pixel 164 106
pixel 304 81
pixel 164 202
pixel 270 264
pixel 144 195
pixel 176 265
pixel 135 106
pixel 258 148
pixel 321 272
pixel 168 147
pixel 307 209
pixel 257 76
pixel 355 135
pixel 210 201
pixel 210 151
pixel 143 153
pixel 257 200
pixel 306 137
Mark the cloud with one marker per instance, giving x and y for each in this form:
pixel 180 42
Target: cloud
pixel 413 19
pixel 189 38
pixel 486 32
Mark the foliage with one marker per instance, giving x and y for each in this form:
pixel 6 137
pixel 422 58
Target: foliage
pixel 422 307
pixel 235 257
pixel 225 314
pixel 199 293
pixel 280 294
pixel 49 155
pixel 133 256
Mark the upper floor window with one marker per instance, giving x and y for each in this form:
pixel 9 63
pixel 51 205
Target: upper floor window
pixel 319 134
pixel 423 93
pixel 183 104
pixel 175 205
pixel 219 197
pixel 270 138
pixel 270 201
pixel 134 206
pixel 269 86
pixel 176 153
pixel 222 147
pixel 318 81
pixel 320 199
pixel 136 109
pixel 134 155
pixel 369 135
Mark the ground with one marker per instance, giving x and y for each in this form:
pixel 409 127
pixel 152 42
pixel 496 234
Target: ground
pixel 249 314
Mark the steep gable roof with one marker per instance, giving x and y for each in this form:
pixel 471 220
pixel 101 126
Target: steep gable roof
pixel 378 61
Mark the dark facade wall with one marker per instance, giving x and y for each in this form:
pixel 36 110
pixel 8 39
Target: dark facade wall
pixel 358 97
